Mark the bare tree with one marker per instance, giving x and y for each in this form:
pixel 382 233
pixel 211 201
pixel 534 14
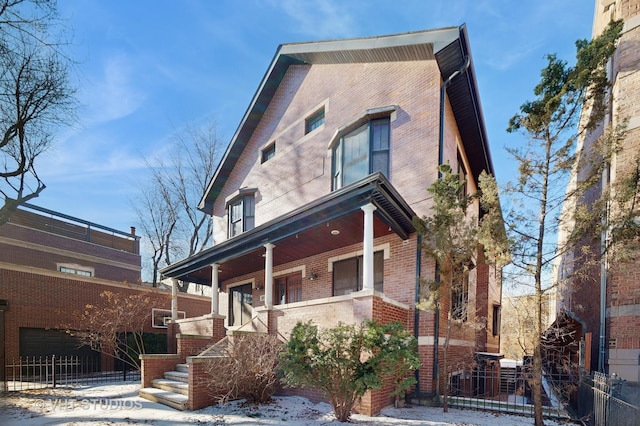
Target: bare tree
pixel 114 325
pixel 35 95
pixel 167 206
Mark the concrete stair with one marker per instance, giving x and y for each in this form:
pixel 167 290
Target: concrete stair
pixel 172 390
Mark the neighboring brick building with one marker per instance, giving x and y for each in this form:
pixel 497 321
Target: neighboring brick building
pixel 51 267
pixel 612 323
pixel 313 201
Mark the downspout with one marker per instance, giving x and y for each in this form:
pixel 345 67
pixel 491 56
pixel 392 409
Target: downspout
pixel 416 311
pixel 436 324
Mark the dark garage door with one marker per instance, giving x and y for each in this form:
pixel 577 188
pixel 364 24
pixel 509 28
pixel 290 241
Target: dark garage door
pixel 39 342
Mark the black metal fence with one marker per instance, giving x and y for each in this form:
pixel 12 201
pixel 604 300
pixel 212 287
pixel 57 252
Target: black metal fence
pixel 507 390
pixel 44 372
pixel 614 402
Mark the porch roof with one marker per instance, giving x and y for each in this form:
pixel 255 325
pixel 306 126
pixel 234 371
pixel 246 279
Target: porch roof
pixel 304 232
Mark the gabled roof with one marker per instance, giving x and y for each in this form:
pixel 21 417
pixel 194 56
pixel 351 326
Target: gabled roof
pixel 448 46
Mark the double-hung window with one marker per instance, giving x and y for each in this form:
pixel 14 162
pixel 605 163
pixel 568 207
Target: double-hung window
pixel 361 152
pixel 241 213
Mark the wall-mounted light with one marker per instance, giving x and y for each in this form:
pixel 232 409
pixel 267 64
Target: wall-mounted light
pixel 313 276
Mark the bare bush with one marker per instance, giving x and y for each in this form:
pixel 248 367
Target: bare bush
pixel 246 368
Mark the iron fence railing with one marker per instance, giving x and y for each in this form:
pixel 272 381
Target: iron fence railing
pixel 42 372
pixel 506 390
pixel 609 405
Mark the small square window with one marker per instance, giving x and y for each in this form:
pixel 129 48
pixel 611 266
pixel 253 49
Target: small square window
pixel 314 121
pixel 268 153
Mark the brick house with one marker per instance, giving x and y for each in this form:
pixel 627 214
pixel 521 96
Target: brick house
pixel 313 201
pixel 51 266
pixel 608 305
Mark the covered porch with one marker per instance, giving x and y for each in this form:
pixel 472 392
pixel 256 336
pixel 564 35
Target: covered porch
pixel 242 268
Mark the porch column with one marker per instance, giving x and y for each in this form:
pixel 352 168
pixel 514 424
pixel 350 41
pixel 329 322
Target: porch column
pixel 174 299
pixel 367 247
pixel 214 289
pixel 268 275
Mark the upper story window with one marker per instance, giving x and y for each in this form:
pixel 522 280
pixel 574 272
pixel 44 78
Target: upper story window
pixel 361 152
pixel 462 173
pixel 241 212
pixel 76 271
pixel 268 153
pixel 314 121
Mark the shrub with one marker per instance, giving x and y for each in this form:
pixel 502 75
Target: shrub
pixel 247 368
pixel 345 361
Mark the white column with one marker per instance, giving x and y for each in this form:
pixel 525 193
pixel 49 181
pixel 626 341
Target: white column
pixel 214 289
pixel 367 248
pixel 268 275
pixel 174 299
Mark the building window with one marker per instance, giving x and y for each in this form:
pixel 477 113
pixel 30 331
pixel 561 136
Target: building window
pixel 241 215
pixel 347 274
pixel 289 289
pixel 314 121
pixel 268 153
pixel 462 173
pixel 496 320
pixel 362 152
pixel 460 297
pixel 76 271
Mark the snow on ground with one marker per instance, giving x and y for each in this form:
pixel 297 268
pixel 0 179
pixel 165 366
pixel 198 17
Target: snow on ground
pixel 120 405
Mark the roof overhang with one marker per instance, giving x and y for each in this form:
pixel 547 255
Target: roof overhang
pixel 448 46
pixel 304 232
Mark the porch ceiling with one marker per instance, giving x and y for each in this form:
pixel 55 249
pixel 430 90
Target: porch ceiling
pixel 304 232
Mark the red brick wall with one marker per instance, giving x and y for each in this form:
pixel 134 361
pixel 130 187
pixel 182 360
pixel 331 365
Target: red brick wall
pixel 154 366
pixel 29 247
pixel 41 301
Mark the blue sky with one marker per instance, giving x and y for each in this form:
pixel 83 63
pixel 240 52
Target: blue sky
pixel 149 67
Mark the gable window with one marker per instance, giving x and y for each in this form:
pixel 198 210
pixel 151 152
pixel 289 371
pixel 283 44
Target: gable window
pixel 362 152
pixel 347 274
pixel 314 121
pixel 241 213
pixel 268 153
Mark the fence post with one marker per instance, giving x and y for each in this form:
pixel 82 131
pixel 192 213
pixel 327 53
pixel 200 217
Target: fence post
pixel 53 367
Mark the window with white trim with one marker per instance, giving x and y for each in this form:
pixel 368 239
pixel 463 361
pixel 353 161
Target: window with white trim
pixel 76 271
pixel 241 212
pixel 361 152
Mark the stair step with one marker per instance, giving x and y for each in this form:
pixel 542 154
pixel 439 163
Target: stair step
pixel 178 376
pixel 183 368
pixel 171 386
pixel 171 399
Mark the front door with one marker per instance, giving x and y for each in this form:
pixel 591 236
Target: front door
pixel 240 301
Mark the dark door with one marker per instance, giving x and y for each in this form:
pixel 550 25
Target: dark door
pixel 240 301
